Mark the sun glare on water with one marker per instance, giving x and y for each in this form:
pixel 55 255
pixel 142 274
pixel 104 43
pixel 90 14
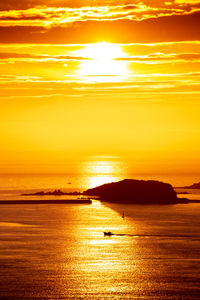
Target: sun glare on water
pixel 101 62
pixel 100 171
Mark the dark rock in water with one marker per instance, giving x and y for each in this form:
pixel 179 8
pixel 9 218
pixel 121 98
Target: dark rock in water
pixel 135 192
pixel 193 186
pixel 54 193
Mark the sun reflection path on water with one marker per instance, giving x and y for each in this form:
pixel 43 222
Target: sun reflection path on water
pixel 97 180
pixel 100 171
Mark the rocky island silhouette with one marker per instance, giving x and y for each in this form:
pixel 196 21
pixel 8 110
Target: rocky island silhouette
pixel 133 191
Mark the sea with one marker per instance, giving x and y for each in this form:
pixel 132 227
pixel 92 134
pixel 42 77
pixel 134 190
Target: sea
pixel 60 251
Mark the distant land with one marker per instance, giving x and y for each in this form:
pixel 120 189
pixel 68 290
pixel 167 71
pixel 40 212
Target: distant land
pixel 128 191
pixel 53 193
pixel 133 191
pixel 193 186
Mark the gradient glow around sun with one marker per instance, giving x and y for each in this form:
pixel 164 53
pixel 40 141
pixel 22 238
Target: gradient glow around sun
pixel 99 171
pixel 100 62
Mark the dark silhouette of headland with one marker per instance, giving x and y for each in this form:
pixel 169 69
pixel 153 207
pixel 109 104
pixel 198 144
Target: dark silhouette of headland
pixel 133 191
pixel 193 186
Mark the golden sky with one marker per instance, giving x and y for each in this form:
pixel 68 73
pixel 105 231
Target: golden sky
pixel 83 79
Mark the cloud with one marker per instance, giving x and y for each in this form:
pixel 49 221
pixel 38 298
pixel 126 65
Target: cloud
pixel 6 55
pixel 155 58
pixel 35 58
pixel 162 58
pixel 26 4
pixel 187 2
pixel 162 29
pixel 59 21
pixel 63 16
pixel 17 85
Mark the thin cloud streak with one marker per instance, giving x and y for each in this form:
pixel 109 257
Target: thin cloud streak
pixel 156 58
pixel 39 86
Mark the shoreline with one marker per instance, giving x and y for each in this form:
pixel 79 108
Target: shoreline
pixel 59 201
pixel 86 201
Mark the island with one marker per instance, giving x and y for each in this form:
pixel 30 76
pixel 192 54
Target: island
pixel 132 191
pixel 194 186
pixel 52 193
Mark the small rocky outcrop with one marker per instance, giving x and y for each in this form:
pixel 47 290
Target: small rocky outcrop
pixel 54 193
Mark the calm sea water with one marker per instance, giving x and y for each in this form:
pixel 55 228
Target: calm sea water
pixel 60 252
pixel 12 185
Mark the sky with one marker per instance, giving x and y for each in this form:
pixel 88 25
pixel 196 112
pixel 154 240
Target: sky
pixel 99 81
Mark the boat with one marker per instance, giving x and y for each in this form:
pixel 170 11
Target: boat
pixel 109 233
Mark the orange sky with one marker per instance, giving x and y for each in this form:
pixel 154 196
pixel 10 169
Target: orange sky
pixel 85 79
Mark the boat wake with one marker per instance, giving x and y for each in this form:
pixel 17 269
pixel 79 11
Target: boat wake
pixel 152 235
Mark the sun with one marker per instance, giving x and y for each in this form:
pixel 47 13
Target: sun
pixel 102 51
pixel 101 62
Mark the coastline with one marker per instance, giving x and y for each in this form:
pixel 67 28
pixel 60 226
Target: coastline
pixel 88 201
pixel 54 201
